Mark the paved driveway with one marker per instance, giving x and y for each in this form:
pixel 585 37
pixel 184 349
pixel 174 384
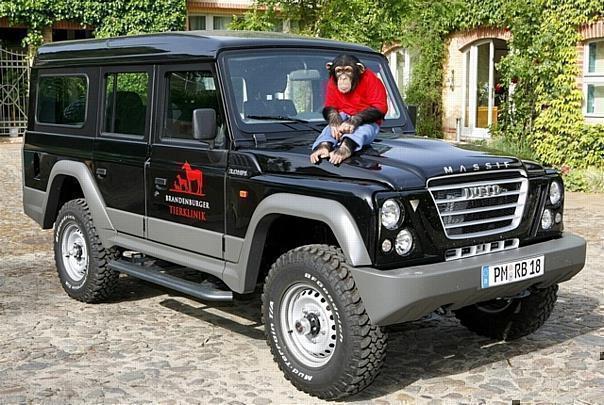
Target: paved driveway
pixel 153 345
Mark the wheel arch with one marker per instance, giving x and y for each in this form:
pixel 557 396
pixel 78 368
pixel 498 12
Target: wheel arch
pixel 68 180
pixel 242 275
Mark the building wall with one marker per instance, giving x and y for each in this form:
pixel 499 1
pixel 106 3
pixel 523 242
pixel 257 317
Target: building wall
pixel 588 32
pixel 216 8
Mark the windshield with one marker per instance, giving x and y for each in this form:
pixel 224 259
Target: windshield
pixel 272 86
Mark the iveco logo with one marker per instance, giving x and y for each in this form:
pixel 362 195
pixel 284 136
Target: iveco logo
pixel 482 191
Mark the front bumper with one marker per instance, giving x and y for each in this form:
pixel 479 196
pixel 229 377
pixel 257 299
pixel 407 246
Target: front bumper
pixel 408 293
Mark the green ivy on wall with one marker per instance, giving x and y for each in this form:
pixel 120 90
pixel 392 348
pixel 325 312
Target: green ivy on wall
pixel 543 114
pixel 109 17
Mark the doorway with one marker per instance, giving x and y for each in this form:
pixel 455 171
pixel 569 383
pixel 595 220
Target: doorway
pixel 483 90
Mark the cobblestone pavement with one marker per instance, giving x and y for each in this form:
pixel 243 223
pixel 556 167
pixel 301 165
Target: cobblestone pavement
pixel 153 345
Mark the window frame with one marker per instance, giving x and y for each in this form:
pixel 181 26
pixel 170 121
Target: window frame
pixel 393 57
pixel 105 71
pixel 162 103
pixel 205 19
pixel 591 79
pixel 87 105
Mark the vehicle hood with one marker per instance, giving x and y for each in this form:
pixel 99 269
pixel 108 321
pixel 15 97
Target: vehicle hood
pixel 402 163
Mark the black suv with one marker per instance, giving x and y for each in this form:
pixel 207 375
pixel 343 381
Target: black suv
pixel 193 148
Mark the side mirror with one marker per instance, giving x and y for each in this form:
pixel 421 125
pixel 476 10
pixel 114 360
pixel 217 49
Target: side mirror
pixel 204 124
pixel 412 111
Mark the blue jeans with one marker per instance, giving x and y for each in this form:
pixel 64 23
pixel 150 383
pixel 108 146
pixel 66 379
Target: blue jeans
pixel 362 136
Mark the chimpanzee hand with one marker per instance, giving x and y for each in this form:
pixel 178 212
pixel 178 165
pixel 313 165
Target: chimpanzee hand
pixel 336 133
pixel 355 121
pixel 346 128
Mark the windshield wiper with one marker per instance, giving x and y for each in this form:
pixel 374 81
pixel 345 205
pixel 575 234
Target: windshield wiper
pixel 277 118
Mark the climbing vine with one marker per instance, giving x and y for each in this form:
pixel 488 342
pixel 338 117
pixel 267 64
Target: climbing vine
pixel 543 112
pixel 109 18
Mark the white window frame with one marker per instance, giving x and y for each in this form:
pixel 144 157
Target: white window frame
pixel 407 68
pixel 469 129
pixel 590 78
pixel 209 20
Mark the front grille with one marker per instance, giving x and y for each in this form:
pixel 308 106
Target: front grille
pixel 481 249
pixel 471 206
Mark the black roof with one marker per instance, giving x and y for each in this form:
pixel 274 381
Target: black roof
pixel 174 45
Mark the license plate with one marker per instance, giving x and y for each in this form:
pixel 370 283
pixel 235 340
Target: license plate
pixel 506 273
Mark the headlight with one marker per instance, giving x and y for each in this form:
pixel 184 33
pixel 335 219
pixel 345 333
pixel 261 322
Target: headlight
pixel 386 246
pixel 555 192
pixel 547 219
pixel 391 214
pixel 404 242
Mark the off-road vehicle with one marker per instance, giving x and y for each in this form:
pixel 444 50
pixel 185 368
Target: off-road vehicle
pixel 193 148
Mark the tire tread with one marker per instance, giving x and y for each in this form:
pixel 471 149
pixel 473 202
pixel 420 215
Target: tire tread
pixel 369 340
pixel 101 280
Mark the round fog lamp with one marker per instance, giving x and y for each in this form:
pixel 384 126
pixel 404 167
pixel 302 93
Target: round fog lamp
pixel 404 242
pixel 386 246
pixel 558 218
pixel 391 214
pixel 555 192
pixel 547 219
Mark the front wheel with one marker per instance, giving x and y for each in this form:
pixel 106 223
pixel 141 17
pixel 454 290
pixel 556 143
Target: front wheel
pixel 316 325
pixel 511 318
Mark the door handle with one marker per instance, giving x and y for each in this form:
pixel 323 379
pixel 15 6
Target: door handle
pixel 101 172
pixel 160 183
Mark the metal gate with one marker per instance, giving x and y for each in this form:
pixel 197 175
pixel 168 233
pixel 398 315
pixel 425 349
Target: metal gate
pixel 14 86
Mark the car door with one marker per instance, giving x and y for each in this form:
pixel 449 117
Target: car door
pixel 186 177
pixel 121 146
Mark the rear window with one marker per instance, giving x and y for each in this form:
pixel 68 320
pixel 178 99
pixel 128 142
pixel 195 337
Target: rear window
pixel 62 100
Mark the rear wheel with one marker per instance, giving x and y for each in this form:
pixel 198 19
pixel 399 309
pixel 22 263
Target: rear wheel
pixel 512 318
pixel 81 259
pixel 316 324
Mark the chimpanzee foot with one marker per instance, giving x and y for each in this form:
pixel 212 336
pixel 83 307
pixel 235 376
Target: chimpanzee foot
pixel 322 152
pixel 343 152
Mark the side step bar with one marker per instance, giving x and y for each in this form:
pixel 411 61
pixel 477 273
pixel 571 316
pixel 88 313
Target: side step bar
pixel 154 275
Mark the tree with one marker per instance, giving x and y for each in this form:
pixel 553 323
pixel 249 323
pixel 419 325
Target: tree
pixel 371 22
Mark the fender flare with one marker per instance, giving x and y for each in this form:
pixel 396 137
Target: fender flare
pixel 92 194
pixel 242 276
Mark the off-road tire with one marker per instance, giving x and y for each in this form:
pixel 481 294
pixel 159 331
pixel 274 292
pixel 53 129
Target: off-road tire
pixel 360 347
pixel 98 281
pixel 521 317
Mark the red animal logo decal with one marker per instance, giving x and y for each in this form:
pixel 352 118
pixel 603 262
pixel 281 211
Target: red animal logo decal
pixel 191 183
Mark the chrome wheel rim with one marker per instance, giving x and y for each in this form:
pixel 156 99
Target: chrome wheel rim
pixel 309 327
pixel 74 252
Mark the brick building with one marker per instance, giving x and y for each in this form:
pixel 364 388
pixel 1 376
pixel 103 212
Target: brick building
pixel 472 88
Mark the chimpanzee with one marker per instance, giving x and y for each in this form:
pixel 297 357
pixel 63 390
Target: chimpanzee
pixel 355 105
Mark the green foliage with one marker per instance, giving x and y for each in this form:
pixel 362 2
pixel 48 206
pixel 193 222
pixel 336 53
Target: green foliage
pixel 258 19
pixel 370 22
pixel 508 146
pixel 542 119
pixel 590 179
pixel 109 18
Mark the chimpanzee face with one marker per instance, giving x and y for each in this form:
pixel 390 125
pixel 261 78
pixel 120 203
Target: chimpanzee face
pixel 345 70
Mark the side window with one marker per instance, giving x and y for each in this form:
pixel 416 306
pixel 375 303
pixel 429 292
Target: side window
pixel 186 92
pixel 126 102
pixel 62 100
